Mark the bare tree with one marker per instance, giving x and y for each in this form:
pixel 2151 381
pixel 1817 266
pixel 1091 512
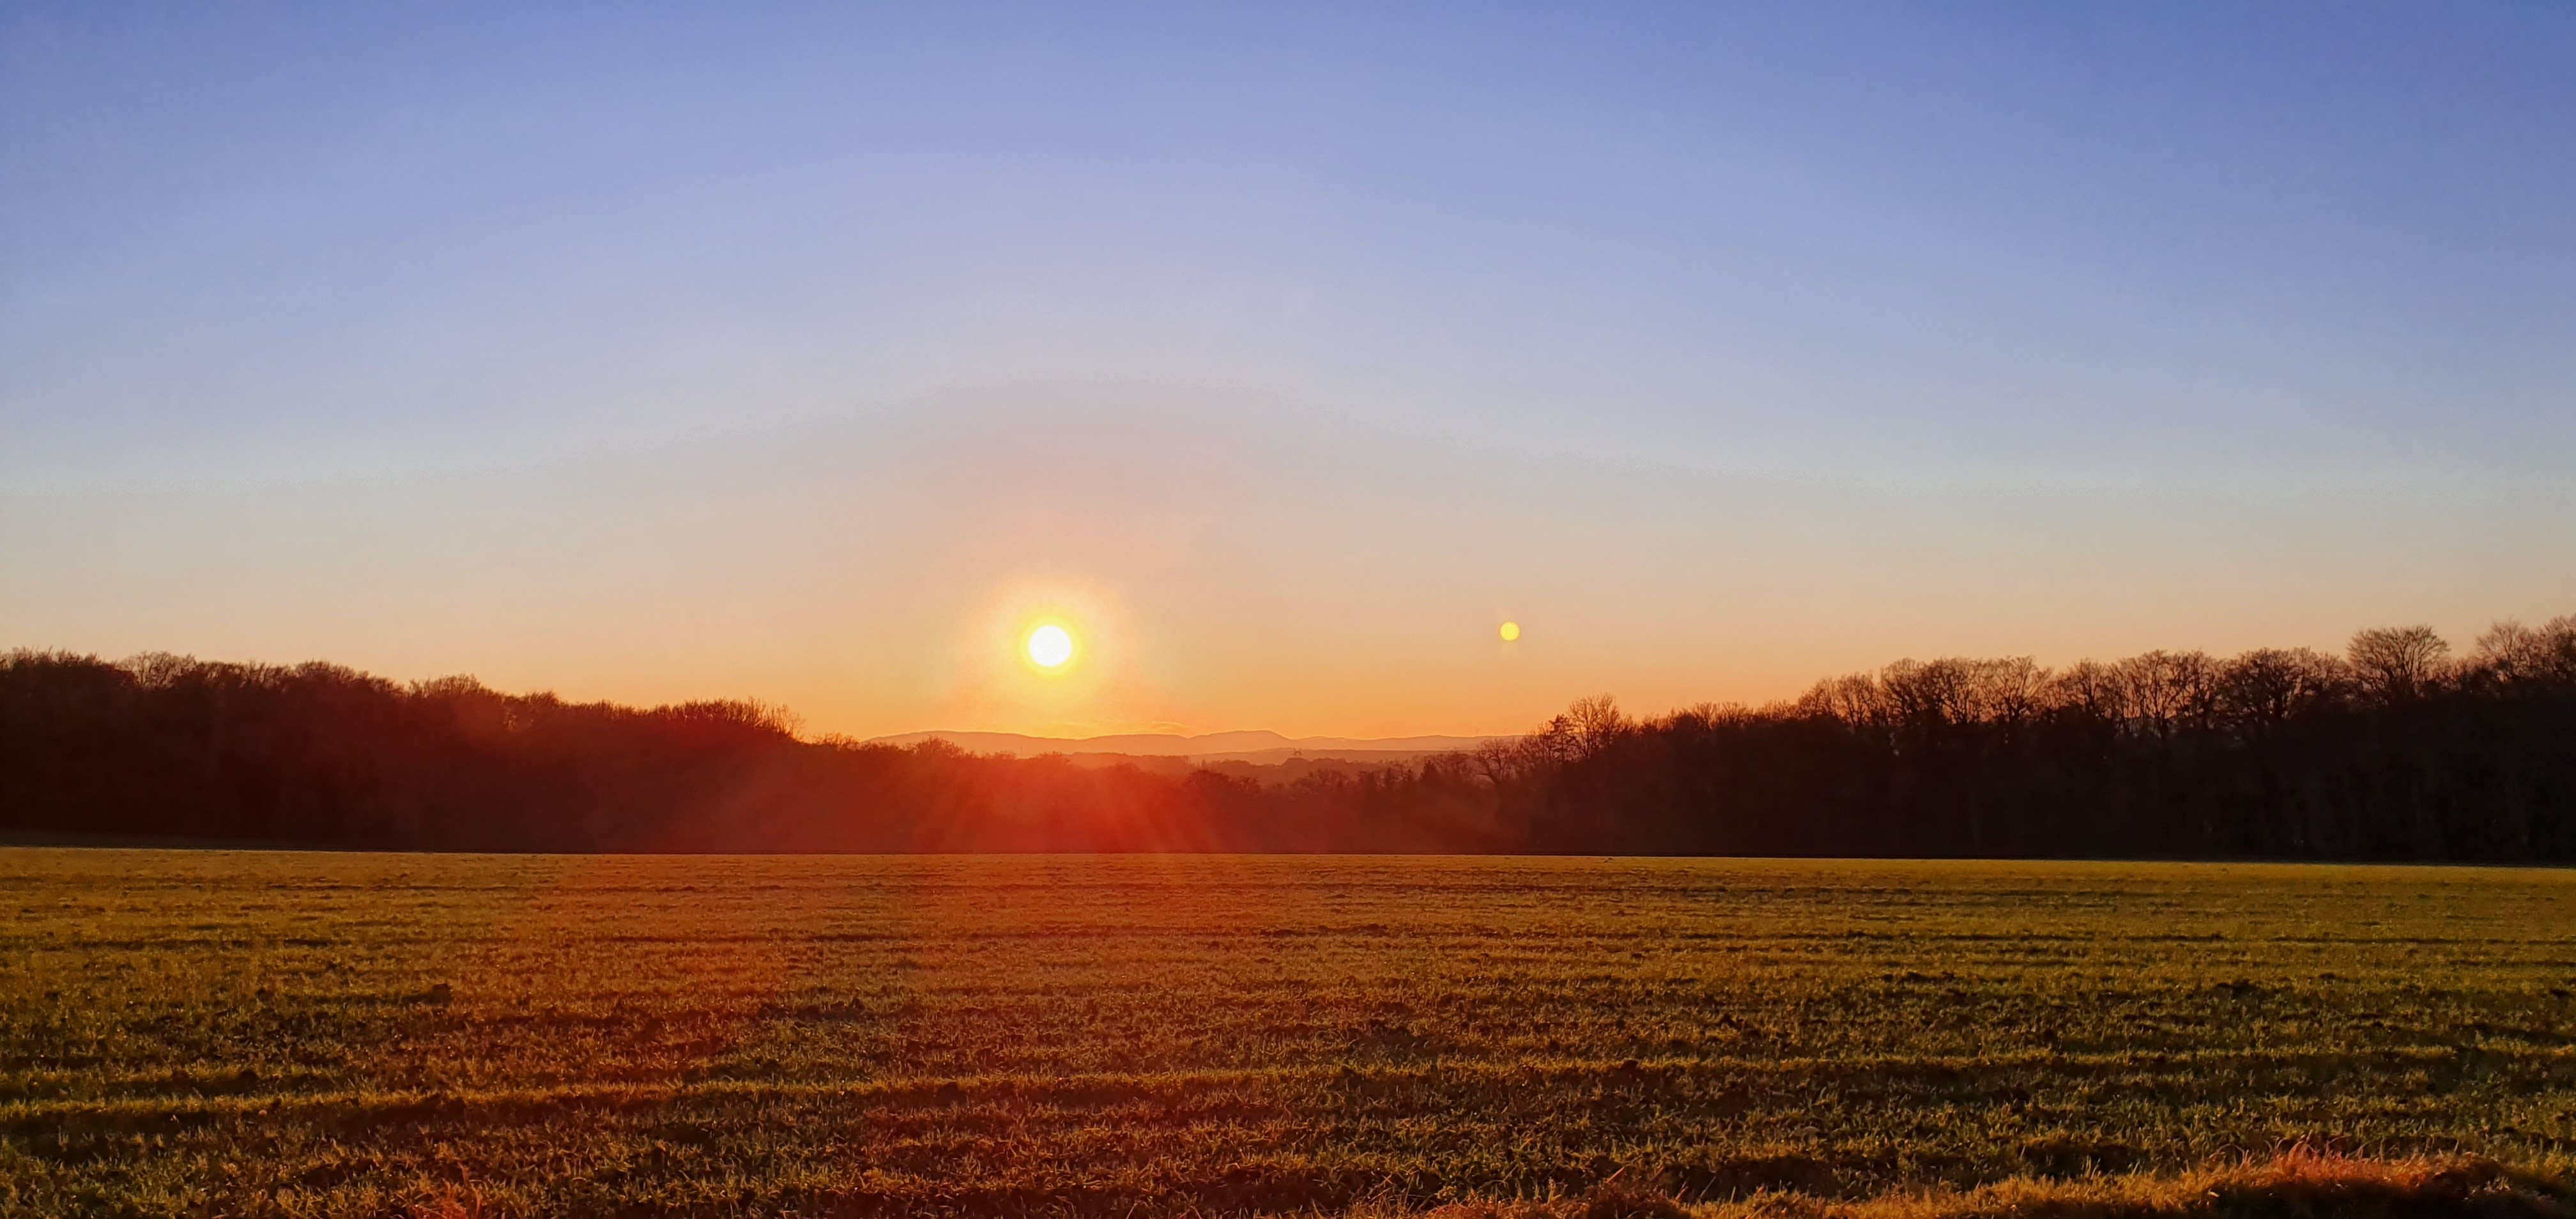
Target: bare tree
pixel 1919 693
pixel 2396 664
pixel 1595 722
pixel 2265 688
pixel 2011 691
pixel 2092 689
pixel 1498 762
pixel 2169 691
pixel 1853 698
pixel 2513 653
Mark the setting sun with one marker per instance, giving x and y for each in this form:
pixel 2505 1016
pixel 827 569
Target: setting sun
pixel 866 607
pixel 1049 646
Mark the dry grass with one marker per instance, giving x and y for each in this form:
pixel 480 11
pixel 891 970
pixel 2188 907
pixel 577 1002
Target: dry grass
pixel 2298 1185
pixel 315 1036
pixel 452 1202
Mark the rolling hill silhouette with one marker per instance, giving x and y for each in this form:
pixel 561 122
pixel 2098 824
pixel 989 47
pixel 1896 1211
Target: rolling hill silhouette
pixel 1262 747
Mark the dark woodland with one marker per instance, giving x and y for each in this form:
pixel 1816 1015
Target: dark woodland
pixel 2395 750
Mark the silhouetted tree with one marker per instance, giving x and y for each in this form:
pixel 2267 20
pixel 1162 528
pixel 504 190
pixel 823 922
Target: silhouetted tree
pixel 2395 752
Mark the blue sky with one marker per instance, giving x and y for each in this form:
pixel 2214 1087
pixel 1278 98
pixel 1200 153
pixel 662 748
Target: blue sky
pixel 2224 254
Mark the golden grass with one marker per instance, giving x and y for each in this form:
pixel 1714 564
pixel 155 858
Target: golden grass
pixel 315 1036
pixel 2301 1184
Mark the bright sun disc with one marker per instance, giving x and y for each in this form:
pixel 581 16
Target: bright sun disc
pixel 1050 646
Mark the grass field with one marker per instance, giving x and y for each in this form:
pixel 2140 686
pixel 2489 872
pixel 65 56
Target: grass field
pixel 191 1033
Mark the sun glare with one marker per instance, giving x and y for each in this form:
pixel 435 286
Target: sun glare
pixel 1511 631
pixel 1049 646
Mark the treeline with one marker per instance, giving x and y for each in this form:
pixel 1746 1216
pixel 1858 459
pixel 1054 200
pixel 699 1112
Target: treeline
pixel 2394 750
pixel 172 748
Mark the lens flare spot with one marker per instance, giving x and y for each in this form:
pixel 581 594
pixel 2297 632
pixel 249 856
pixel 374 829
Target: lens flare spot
pixel 1049 646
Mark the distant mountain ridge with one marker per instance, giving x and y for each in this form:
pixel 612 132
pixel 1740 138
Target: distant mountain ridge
pixel 1251 746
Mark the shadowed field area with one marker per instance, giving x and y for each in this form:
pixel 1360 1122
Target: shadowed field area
pixel 314 1034
pixel 2299 1182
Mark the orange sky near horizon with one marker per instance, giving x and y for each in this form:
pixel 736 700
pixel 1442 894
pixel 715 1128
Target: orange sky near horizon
pixel 1223 566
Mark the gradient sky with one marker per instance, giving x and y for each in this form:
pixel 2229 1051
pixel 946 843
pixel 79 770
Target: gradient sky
pixel 802 353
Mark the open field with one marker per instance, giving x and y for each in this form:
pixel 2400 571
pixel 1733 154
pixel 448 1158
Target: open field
pixel 187 1033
